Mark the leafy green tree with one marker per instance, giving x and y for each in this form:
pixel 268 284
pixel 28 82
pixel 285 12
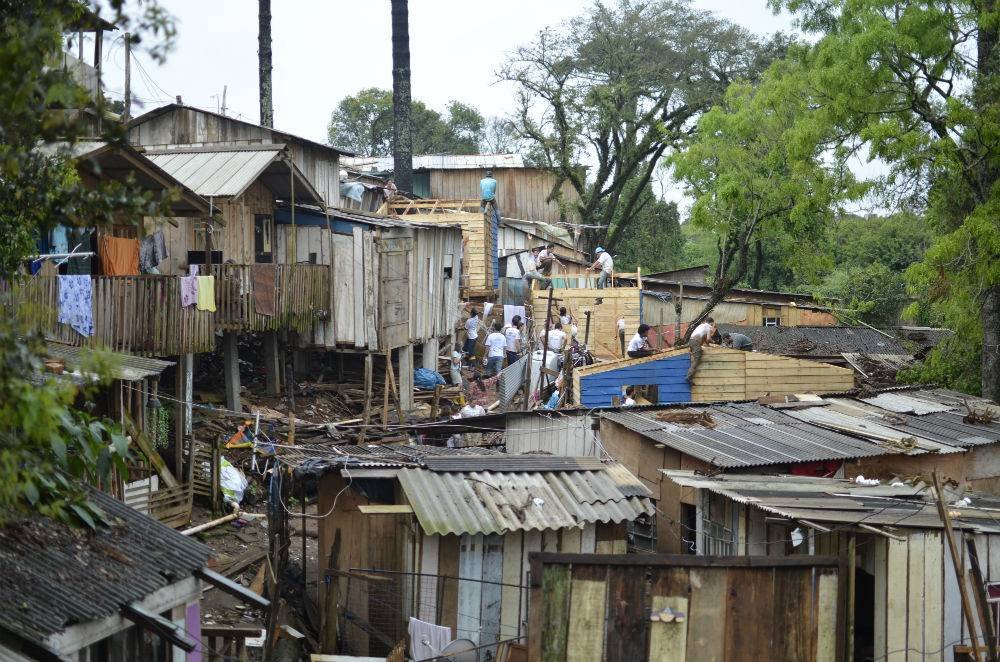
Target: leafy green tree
pixel 759 172
pixel 918 86
pixel 896 241
pixel 363 123
pixel 46 445
pixel 622 84
pixel 655 242
pixel 873 294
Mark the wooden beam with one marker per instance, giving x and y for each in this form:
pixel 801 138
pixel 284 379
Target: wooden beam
pixel 147 449
pixel 232 588
pixel 379 509
pixel 165 628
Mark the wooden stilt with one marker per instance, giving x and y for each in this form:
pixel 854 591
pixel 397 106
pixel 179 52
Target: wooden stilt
pixel 385 393
pixel 368 398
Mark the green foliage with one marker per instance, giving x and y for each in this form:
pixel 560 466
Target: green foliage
pixel 873 294
pixel 761 177
pixel 47 447
pixel 917 85
pixel 896 241
pixel 622 84
pixel 654 241
pixel 363 123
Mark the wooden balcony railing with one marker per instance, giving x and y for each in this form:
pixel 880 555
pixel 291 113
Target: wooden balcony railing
pixel 302 291
pixel 134 314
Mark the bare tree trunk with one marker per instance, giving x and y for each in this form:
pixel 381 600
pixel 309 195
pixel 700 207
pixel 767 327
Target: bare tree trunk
pixel 988 59
pixel 758 264
pixel 402 143
pixel 264 62
pixel 990 316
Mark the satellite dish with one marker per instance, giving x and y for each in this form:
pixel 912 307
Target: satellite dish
pixel 460 650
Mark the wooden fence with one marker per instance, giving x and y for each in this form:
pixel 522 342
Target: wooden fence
pixel 302 291
pixel 143 314
pixel 134 314
pixel 682 608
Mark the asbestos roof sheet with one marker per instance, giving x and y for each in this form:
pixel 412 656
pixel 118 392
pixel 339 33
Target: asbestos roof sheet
pixel 497 502
pixel 843 502
pixel 56 575
pixel 126 367
pixel 437 162
pixel 875 429
pixel 745 435
pixel 818 340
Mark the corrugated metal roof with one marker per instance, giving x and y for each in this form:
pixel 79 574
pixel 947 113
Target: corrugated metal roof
pixel 868 363
pixel 437 162
pixel 843 502
pixel 488 502
pixel 56 575
pixel 122 366
pixel 872 428
pixel 906 403
pixel 745 435
pixel 512 463
pixel 320 458
pixel 217 173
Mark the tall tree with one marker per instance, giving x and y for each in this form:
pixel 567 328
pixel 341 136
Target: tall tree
pixel 917 84
pixel 759 171
pixel 622 85
pixel 402 145
pixel 46 444
pixel 363 122
pixel 264 62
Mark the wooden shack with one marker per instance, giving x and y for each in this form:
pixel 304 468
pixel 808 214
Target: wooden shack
pixel 175 125
pixel 724 374
pixel 903 583
pixel 605 306
pixel 452 529
pixel 524 192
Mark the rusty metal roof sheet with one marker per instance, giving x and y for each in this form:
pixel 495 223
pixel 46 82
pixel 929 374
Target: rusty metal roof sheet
pixel 745 435
pixel 843 502
pixel 497 502
pixel 126 367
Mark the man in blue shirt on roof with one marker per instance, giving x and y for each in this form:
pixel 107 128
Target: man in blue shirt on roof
pixel 488 190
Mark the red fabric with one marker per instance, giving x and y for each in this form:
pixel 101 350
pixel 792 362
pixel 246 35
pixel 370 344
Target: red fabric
pixel 822 469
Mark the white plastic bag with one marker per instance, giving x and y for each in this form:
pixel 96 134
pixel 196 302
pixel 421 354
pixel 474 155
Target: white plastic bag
pixel 233 482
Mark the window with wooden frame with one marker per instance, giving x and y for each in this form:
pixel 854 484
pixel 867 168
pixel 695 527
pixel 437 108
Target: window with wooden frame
pixel 772 316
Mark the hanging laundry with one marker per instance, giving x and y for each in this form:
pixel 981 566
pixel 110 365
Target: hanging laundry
pixel 487 309
pixel 206 293
pixel 510 311
pixel 427 640
pixel 119 257
pixel 262 277
pixel 152 251
pixel 59 239
pixel 76 297
pixel 189 291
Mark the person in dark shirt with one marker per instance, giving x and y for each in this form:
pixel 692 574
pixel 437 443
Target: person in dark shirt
pixel 738 341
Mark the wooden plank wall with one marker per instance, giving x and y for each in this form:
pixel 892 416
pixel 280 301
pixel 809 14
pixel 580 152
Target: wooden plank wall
pixel 580 610
pixel 133 314
pixel 434 299
pixel 301 291
pixel 617 301
pixel 477 258
pixel 522 192
pixel 487 612
pixel 745 313
pixel 723 375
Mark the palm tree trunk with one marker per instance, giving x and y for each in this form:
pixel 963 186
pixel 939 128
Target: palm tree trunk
pixel 264 62
pixel 402 143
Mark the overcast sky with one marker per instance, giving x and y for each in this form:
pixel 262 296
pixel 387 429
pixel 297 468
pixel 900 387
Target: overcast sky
pixel 325 50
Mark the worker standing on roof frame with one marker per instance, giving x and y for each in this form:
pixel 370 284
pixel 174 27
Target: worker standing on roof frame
pixel 488 193
pixel 606 264
pixel 701 336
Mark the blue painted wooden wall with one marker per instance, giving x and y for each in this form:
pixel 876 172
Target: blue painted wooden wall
pixel 667 373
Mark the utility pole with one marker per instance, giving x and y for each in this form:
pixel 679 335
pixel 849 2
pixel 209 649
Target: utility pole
pixel 402 143
pixel 224 89
pixel 264 62
pixel 127 113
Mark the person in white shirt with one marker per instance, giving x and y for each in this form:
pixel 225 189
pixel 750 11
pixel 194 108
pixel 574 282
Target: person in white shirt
pixel 471 334
pixel 556 338
pixel 629 400
pixel 547 258
pixel 530 264
pixel 701 336
pixel 639 345
pixel 513 335
pixel 606 264
pixel 496 343
pixel 565 317
pixel 456 367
